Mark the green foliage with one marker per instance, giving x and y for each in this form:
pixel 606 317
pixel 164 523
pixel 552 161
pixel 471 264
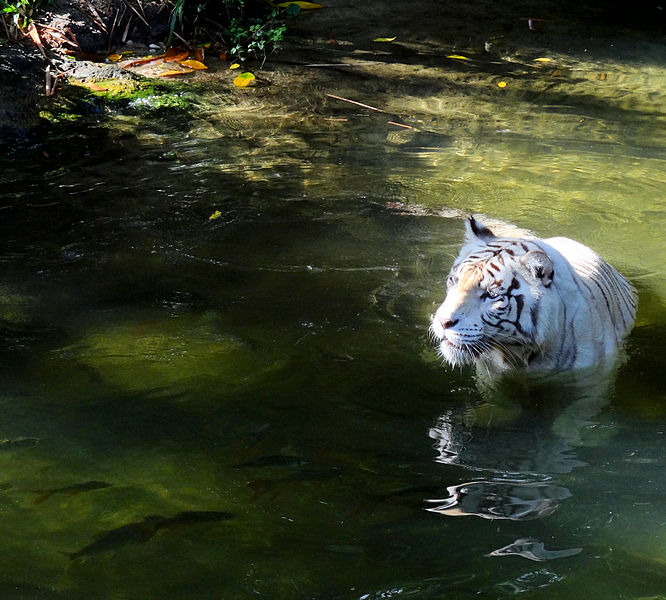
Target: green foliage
pixel 245 27
pixel 177 18
pixel 256 36
pixel 18 12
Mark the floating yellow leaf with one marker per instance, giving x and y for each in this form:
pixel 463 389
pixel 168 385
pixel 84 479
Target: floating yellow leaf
pixel 216 215
pixel 193 64
pixel 234 66
pixel 543 60
pixel 244 79
pixel 301 5
pixel 391 39
pixel 501 84
pixel 458 56
pixel 114 57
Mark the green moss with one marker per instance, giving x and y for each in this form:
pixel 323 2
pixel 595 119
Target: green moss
pixel 83 99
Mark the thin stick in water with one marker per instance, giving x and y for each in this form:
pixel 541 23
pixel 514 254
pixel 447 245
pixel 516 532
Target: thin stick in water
pixel 400 125
pixel 354 102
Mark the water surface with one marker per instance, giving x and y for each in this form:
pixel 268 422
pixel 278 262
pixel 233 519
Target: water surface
pixel 249 406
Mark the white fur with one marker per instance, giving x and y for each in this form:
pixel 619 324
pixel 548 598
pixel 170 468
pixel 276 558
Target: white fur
pixel 568 308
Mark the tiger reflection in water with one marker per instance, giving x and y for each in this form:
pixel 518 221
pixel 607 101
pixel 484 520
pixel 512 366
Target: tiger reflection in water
pixel 543 322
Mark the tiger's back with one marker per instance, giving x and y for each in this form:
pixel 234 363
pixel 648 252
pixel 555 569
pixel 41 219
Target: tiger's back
pixel 602 284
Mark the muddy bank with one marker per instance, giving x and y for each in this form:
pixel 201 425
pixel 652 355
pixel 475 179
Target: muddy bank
pixel 69 29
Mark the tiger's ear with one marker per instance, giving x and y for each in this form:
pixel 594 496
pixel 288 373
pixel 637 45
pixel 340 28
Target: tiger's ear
pixel 476 231
pixel 538 266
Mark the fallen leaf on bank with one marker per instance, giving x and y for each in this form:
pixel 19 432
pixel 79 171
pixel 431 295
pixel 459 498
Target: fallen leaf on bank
pixel 199 54
pixel 93 86
pixel 216 215
pixel 144 61
pixel 173 73
pixel 301 5
pixel 293 10
pixel 244 79
pixel 193 64
pixel 543 60
pixel 234 66
pixel 114 57
pixel 385 39
pixel 176 55
pixel 457 56
pixel 501 84
pixel 34 35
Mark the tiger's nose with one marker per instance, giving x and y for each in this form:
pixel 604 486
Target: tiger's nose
pixel 448 323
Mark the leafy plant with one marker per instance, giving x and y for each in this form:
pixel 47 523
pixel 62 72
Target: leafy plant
pixel 256 36
pixel 245 27
pixel 16 14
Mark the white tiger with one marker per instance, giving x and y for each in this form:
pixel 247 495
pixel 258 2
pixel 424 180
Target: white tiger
pixel 527 304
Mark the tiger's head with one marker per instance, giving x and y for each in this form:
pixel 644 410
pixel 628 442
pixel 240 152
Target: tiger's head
pixel 494 306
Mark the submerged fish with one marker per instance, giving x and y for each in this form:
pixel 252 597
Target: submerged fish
pixel 70 490
pixel 274 462
pixel 132 533
pixel 142 531
pixel 262 486
pixel 26 442
pixel 406 491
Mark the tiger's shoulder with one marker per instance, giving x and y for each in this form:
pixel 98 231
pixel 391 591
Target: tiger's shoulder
pixel 599 284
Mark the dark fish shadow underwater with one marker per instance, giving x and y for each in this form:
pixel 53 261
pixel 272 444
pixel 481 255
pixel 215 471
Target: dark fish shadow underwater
pixel 141 531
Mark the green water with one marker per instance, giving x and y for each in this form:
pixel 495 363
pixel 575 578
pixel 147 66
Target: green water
pixel 273 363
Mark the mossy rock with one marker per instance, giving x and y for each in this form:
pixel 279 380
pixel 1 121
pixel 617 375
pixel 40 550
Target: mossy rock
pixel 85 98
pixel 138 357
